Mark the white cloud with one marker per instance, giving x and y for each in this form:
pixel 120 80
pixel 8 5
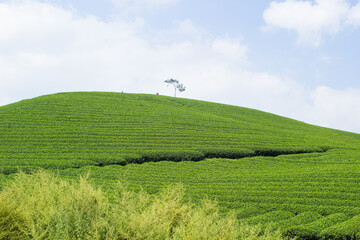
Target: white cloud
pixel 231 47
pixel 143 2
pixel 310 20
pixel 334 108
pixel 46 49
pixel 181 31
pixel 136 6
pixel 354 16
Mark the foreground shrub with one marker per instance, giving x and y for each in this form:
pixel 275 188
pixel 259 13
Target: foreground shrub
pixel 43 206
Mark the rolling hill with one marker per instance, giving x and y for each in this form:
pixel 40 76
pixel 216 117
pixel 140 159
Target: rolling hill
pixel 269 169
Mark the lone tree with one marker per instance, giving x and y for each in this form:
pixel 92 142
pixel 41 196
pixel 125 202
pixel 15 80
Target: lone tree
pixel 176 84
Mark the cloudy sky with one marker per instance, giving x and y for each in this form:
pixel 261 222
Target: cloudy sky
pixel 295 58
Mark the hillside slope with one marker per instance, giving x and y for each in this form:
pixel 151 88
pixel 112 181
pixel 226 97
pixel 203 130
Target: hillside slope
pixel 269 169
pixel 93 128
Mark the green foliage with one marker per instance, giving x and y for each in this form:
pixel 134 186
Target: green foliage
pixel 175 156
pixel 302 218
pixel 312 230
pixel 104 160
pixel 72 130
pixel 273 216
pixel 228 153
pixel 310 185
pixel 8 170
pixel 273 152
pixel 349 229
pixel 285 165
pixel 43 206
pixel 249 211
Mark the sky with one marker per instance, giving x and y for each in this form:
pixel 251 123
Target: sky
pixel 295 58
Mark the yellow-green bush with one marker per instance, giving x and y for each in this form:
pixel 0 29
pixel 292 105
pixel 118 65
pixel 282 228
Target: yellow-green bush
pixel 44 206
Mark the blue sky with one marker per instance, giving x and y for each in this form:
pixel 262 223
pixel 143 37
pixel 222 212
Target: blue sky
pixel 295 58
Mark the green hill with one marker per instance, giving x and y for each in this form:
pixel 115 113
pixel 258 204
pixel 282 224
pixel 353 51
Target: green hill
pixel 77 129
pixel 267 168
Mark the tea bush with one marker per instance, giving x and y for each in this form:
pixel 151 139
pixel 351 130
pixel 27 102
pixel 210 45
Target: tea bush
pixel 348 229
pixel 312 230
pixel 273 216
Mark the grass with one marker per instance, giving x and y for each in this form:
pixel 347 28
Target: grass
pixel 43 206
pixel 259 165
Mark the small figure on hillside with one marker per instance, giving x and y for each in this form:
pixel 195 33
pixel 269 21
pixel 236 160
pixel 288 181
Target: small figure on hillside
pixel 157 93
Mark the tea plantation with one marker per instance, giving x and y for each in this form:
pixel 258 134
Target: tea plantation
pixel 269 169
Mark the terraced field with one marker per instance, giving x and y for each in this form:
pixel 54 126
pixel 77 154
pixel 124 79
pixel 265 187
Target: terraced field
pixel 272 170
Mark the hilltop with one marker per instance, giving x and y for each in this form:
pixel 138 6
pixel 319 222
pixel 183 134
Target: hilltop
pixel 96 128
